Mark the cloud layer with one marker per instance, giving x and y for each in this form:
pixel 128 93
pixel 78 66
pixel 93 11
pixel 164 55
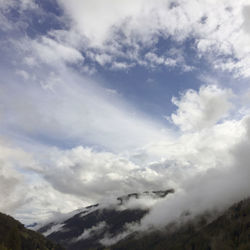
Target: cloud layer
pixel 67 140
pixel 194 163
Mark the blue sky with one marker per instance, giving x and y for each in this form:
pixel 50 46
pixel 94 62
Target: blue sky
pixel 137 94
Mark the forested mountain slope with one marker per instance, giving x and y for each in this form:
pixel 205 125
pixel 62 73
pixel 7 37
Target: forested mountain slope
pixel 14 236
pixel 230 231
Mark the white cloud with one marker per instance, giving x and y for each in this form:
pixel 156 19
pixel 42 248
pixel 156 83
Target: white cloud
pixel 246 12
pixel 43 202
pixel 152 57
pixel 23 74
pixel 124 34
pixel 73 174
pixel 102 59
pixel 198 110
pixel 24 193
pixel 216 188
pixel 86 167
pixel 52 52
pixel 220 29
pixel 12 181
pixel 28 4
pixel 94 19
pixel 109 240
pixel 9 183
pixel 53 229
pixel 127 152
pixel 132 155
pixel 120 65
pixel 93 230
pixel 63 180
pixel 5 3
pixel 207 191
pixel 21 5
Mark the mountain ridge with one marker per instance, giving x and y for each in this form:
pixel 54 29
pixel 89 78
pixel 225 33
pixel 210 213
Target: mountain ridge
pixel 229 231
pixel 88 227
pixel 100 228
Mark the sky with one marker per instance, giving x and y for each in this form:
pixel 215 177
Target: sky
pixel 100 98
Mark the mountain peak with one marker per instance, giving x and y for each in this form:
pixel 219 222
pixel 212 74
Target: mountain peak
pixel 97 224
pixel 152 194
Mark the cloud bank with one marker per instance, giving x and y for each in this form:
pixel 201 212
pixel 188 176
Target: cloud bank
pixel 63 132
pixel 215 188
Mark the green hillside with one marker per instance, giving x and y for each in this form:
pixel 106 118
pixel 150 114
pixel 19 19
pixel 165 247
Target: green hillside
pixel 14 236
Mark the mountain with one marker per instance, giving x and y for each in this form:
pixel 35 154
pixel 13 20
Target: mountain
pixel 14 236
pixel 230 231
pixel 104 227
pixel 86 228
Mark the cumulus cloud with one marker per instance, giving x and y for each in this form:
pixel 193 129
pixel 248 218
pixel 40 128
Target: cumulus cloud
pixel 23 192
pixel 197 110
pixel 219 29
pixel 216 188
pixel 75 164
pixel 51 52
pixel 12 181
pixel 122 35
pixel 9 182
pixel 208 191
pixel 117 174
pixel 94 19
